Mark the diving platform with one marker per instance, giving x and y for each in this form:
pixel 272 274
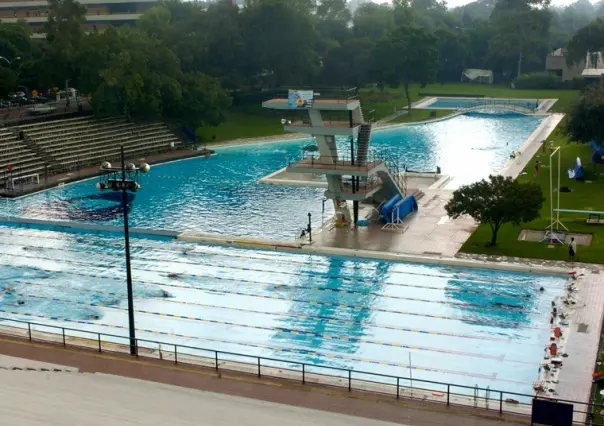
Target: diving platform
pixel 342 152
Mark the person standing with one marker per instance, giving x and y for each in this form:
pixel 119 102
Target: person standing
pixel 572 250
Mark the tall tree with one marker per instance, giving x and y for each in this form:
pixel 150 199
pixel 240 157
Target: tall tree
pixel 280 41
pixel 585 120
pixel 497 201
pixel 408 55
pixel 588 39
pixel 373 21
pixel 520 35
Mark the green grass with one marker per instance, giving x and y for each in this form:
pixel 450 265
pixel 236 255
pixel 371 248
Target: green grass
pixel 584 196
pixel 250 122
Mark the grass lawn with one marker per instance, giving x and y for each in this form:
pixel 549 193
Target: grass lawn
pixel 243 123
pixel 588 195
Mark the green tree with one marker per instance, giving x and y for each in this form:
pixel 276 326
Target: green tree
pixel 203 101
pixel 588 39
pixel 65 36
pixel 520 35
pixel 497 201
pixel 373 21
pixel 8 79
pixel 408 55
pixel 280 42
pixel 585 120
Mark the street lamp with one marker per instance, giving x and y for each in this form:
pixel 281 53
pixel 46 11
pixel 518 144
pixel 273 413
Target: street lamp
pixel 127 179
pixel 10 62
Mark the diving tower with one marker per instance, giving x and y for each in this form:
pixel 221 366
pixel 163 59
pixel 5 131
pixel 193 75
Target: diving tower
pixel 352 170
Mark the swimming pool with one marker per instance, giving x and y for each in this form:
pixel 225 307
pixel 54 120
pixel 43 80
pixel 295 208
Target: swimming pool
pixel 456 103
pixel 222 195
pixel 458 325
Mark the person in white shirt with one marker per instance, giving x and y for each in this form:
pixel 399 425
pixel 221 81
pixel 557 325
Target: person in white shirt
pixel 572 250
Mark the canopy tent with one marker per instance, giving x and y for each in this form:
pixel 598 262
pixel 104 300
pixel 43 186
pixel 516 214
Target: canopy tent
pixel 477 76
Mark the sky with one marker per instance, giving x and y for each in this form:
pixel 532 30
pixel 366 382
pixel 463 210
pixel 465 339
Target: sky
pixel 455 3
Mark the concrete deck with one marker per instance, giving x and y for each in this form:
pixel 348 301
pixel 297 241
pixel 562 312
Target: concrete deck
pixel 99 396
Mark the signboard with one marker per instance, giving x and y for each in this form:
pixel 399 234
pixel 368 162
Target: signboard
pixel 300 99
pixel 550 413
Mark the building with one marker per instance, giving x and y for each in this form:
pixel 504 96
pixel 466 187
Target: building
pixel 556 63
pixel 99 13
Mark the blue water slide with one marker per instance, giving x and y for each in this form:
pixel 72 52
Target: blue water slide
pixel 386 210
pixel 401 208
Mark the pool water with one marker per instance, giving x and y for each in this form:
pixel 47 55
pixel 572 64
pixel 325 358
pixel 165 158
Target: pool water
pixel 458 325
pixel 455 103
pixel 222 195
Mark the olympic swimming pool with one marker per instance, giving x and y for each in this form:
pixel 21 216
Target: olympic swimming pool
pixel 467 326
pixel 222 195
pixel 459 325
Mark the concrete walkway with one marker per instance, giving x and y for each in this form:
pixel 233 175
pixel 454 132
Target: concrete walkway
pixel 73 398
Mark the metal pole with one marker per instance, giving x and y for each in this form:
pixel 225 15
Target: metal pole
pixel 309 229
pixel 551 195
pixel 410 375
pixel 500 402
pixel 558 211
pixel 303 375
pixel 128 270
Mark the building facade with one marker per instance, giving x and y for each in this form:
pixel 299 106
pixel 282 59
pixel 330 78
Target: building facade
pixel 556 63
pixel 100 14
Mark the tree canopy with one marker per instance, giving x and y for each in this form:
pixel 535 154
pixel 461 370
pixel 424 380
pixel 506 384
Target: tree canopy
pixel 497 201
pixel 585 120
pixel 177 46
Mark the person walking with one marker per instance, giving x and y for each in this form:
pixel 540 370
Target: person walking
pixel 572 250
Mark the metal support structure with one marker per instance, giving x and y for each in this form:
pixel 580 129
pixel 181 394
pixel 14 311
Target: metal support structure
pixel 551 232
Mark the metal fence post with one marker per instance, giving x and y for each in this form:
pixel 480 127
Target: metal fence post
pixel 448 393
pixel 500 402
pixel 397 388
pixel 349 381
pixel 99 334
pixel 259 367
pixel 136 347
pixel 303 375
pixel 64 337
pixel 216 359
pixel 29 330
pixel 175 354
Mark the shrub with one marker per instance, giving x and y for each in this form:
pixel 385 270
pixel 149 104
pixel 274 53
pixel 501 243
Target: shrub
pixel 537 80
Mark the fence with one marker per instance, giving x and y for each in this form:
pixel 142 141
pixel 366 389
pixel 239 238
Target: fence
pixel 397 387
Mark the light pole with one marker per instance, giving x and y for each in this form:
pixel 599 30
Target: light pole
pixel 126 179
pixel 10 62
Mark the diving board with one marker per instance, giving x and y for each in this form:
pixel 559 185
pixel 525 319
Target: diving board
pixel 593 217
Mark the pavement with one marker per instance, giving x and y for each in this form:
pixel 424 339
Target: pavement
pixel 118 389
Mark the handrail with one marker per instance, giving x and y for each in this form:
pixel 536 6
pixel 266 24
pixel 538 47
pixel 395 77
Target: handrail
pixel 497 105
pixel 309 372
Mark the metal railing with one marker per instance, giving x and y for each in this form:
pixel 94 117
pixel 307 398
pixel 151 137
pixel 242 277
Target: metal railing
pixel 505 106
pixel 315 160
pixel 397 387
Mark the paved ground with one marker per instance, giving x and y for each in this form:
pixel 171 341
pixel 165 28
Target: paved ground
pixel 236 411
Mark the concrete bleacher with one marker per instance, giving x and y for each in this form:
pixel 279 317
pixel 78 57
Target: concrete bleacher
pixel 16 154
pixel 84 141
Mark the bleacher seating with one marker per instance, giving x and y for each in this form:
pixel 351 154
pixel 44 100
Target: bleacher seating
pixel 16 154
pixel 86 141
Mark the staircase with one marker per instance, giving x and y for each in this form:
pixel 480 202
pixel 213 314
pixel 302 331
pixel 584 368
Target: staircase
pixel 363 143
pixel 53 165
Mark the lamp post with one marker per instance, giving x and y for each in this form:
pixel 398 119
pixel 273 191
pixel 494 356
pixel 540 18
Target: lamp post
pixel 126 179
pixel 10 62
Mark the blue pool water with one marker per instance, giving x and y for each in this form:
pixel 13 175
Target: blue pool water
pixel 466 326
pixel 454 103
pixel 222 195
